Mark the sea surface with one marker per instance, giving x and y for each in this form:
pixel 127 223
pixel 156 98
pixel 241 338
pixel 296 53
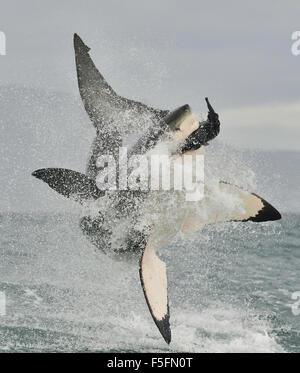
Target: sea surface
pixel 230 290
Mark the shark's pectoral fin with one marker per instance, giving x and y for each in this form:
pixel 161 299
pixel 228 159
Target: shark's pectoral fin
pixel 69 183
pixel 253 207
pixel 153 276
pixel 249 207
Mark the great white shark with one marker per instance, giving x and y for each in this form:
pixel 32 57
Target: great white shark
pixel 139 222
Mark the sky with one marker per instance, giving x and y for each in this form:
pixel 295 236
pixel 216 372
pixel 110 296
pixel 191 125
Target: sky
pixel 165 53
pixel 169 52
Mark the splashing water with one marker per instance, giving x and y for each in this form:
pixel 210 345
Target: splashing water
pixel 225 290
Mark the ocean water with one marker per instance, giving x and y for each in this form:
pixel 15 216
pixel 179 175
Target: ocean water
pixel 230 290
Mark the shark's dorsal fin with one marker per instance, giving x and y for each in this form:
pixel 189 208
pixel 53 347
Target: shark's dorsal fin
pixel 101 102
pixel 69 183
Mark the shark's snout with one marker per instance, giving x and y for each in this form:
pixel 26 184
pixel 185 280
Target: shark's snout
pixel 175 119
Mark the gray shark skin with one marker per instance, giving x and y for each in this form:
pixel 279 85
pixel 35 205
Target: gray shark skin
pixel 114 116
pixel 116 225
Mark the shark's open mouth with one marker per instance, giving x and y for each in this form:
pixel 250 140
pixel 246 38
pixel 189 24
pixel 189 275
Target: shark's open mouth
pixel 182 121
pixel 186 133
pixel 206 131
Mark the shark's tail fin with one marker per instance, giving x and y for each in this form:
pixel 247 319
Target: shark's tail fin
pixel 69 183
pixel 101 102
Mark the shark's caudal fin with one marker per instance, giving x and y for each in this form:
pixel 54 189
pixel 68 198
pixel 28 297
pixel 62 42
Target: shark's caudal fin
pixel 153 277
pixel 251 207
pixel 69 183
pixel 100 100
